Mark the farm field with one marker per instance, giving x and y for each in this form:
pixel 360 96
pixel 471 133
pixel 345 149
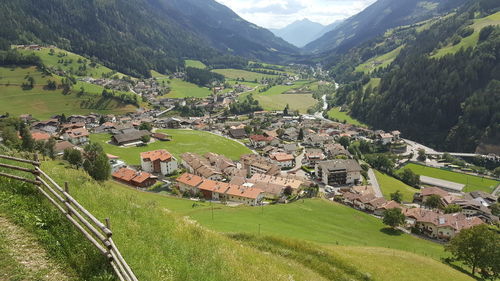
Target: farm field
pixel 390 185
pixel 471 40
pixel 182 141
pixel 183 89
pixel 43 104
pixel 72 62
pixel 195 64
pixel 471 182
pixel 335 113
pixel 234 74
pixel 382 61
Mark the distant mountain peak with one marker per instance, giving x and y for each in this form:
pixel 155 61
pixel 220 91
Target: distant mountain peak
pixel 301 32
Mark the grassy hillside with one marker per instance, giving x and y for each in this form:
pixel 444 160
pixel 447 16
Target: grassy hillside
pixel 43 103
pixel 234 74
pixel 177 248
pixel 380 61
pixel 471 182
pixel 335 113
pixel 471 40
pixel 195 63
pixel 390 185
pixel 182 141
pixel 70 62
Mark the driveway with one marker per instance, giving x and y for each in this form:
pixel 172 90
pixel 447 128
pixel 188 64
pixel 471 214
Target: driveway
pixel 374 183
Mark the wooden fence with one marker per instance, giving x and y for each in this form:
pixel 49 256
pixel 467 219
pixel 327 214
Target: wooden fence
pixel 98 233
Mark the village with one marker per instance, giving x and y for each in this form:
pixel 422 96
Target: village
pixel 292 157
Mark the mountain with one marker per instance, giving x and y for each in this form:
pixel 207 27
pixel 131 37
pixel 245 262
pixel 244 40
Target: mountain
pixel 300 32
pixel 134 36
pixel 376 20
pixel 438 81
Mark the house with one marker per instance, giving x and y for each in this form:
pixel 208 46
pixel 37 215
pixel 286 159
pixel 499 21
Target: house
pixel 484 198
pixel 427 192
pixel 375 204
pixel 131 137
pixel 200 166
pixel 49 126
pixel 116 163
pixel 77 136
pixel 238 133
pixel 317 140
pixel 386 206
pixel 255 164
pixel 312 156
pixel 293 183
pixel 213 190
pixel 333 150
pixel 473 208
pixel 338 172
pixel 189 183
pixel 60 146
pixel 396 135
pixel 440 226
pixel 349 197
pixel 283 160
pixel 248 195
pixel 40 136
pixel 290 147
pixel 131 177
pixel 158 162
pixel 362 201
pixel 259 141
pixel 271 190
pixel 384 138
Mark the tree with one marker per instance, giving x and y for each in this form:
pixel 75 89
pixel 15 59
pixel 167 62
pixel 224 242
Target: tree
pixel 146 138
pixel 49 148
pixel 496 172
pixel 477 247
pixel 96 162
pixel 301 134
pixel 410 178
pixel 285 111
pixel 421 155
pixel 27 142
pixel 146 126
pixel 433 201
pixel 397 196
pixel 452 208
pixel 288 191
pixel 495 209
pixel 344 141
pixel 73 156
pixel 393 217
pixel 10 139
pixel 102 120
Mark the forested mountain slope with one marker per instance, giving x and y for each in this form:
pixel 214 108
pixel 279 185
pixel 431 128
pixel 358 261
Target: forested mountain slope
pixel 376 20
pixel 449 101
pixel 135 36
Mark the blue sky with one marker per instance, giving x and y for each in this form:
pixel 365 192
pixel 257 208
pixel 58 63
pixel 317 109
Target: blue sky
pixel 279 13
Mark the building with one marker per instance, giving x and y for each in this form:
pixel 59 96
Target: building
pixel 158 162
pixel 238 133
pixel 274 187
pixel 189 183
pixel 131 137
pixel 134 178
pixel 333 150
pixel 312 156
pixel 60 146
pixel 338 172
pixel 77 136
pixel 255 164
pixel 259 141
pixel 198 165
pixel 386 206
pixel 40 136
pixel 161 136
pixel 284 160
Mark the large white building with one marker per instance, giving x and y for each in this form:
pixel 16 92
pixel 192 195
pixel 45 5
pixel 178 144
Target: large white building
pixel 158 162
pixel 339 172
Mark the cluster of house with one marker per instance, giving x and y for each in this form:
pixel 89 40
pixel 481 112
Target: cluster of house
pixel 431 222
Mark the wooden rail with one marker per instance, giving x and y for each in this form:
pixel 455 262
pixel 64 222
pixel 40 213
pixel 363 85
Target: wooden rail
pixel 98 233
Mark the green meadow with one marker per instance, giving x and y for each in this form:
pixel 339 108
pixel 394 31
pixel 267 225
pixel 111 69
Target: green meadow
pixel 195 64
pixel 183 89
pixel 182 141
pixel 390 185
pixel 335 113
pixel 234 74
pixel 471 182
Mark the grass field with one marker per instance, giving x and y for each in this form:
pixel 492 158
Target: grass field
pixel 275 99
pixel 343 116
pixel 233 74
pixel 182 141
pixel 183 89
pixel 53 60
pixel 471 40
pixel 382 61
pixel 471 182
pixel 195 64
pixel 390 185
pixel 43 103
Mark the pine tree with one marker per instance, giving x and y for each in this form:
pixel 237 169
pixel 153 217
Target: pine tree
pixel 27 142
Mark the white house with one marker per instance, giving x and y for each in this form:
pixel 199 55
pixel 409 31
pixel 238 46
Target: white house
pixel 158 161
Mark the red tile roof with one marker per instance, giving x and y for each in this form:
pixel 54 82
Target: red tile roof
pixel 40 136
pixel 261 138
pixel 190 179
pixel 161 155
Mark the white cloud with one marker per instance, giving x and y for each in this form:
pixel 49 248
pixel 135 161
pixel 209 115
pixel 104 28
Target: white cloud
pixel 279 13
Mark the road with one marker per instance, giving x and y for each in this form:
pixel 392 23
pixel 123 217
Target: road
pixel 374 183
pixel 298 162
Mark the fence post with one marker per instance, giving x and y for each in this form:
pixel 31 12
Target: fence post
pixel 66 198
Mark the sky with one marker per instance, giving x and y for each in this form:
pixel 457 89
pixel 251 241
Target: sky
pixel 280 13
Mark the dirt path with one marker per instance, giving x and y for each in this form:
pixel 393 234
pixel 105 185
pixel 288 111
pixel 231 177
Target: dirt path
pixel 22 258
